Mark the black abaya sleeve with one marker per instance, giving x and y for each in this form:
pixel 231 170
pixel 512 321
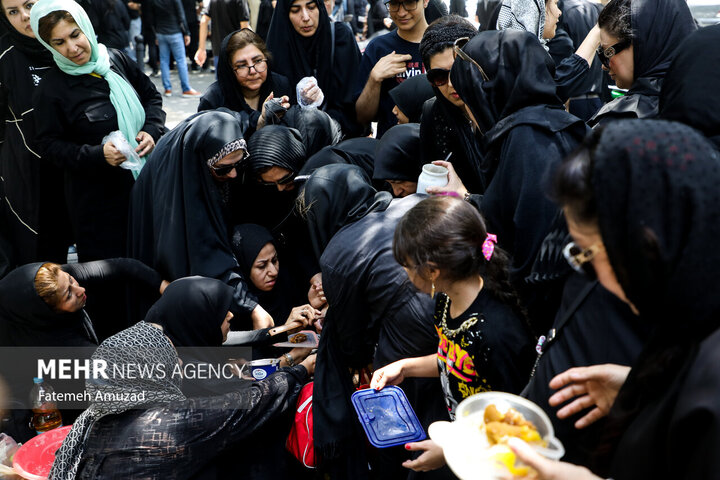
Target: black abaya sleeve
pixel 113 269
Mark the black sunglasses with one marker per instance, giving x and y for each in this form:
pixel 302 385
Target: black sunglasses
pixel 283 181
pixel 223 170
pixel 605 54
pixel 458 52
pixel 438 76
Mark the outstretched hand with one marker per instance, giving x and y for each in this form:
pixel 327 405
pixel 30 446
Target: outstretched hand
pixel 432 457
pixel 388 375
pixel 595 386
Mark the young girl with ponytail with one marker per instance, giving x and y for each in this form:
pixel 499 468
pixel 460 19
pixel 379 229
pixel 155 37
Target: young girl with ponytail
pixel 484 340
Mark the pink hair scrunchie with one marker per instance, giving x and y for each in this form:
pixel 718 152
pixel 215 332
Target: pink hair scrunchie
pixel 488 246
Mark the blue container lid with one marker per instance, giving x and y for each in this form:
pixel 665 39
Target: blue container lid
pixel 387 417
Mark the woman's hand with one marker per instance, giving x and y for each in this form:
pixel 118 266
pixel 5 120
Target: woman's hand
pixel 597 386
pixel 311 93
pixel 454 184
pixel 261 318
pixel 113 155
pixel 388 375
pixel 432 457
pixel 548 469
pixel 284 101
pixel 316 294
pixel 298 354
pixel 305 314
pixel 163 285
pixel 146 144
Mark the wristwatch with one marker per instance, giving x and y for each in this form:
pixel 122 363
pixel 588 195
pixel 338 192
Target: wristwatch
pixel 289 359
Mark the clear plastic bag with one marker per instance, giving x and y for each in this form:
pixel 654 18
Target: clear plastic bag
pixel 302 99
pixel 132 159
pixel 8 447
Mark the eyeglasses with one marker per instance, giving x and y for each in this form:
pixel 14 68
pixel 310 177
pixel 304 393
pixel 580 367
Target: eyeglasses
pixel 579 259
pixel 457 52
pixel 408 5
pixel 283 181
pixel 605 54
pixel 244 70
pixel 438 76
pixel 223 170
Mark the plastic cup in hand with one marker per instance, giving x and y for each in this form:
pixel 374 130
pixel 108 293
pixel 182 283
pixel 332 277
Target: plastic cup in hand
pixel 432 176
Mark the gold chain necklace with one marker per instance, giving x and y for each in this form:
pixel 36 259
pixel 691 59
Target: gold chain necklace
pixel 465 325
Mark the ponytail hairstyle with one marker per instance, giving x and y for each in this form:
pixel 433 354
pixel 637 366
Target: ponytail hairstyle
pixel 450 234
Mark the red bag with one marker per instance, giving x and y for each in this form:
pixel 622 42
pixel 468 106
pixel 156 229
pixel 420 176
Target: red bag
pixel 300 440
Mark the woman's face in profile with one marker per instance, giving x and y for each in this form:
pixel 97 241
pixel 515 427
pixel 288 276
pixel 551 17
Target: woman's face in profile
pixel 622 64
pixel 71 296
pixel 305 17
pixel 246 62
pixel 585 236
pixel 266 266
pixel 445 60
pixel 70 42
pixel 552 15
pixel 18 13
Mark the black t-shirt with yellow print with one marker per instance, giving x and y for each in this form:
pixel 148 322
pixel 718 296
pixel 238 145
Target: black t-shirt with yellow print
pixel 487 347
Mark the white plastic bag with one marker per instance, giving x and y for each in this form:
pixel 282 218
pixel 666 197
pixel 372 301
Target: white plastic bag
pixel 302 100
pixel 132 159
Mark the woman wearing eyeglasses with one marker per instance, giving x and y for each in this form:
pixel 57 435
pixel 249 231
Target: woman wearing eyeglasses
pixel 638 39
pixel 304 43
pixel 658 257
pixel 245 81
pixel 179 206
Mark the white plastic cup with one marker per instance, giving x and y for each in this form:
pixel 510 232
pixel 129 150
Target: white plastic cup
pixel 432 176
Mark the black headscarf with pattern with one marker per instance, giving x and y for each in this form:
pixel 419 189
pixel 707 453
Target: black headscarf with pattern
pixel 141 345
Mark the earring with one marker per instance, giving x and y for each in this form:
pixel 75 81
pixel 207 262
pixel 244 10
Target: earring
pixel 432 290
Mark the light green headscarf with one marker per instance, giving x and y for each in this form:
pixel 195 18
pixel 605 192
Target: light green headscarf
pixel 130 112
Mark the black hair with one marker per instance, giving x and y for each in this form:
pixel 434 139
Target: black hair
pixel 450 233
pixel 572 183
pixel 616 19
pixel 442 33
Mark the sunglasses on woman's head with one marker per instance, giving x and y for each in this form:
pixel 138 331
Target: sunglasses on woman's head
pixel 580 259
pixel 605 54
pixel 438 77
pixel 457 52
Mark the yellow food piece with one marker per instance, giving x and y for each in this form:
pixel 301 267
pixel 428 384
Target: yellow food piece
pixel 511 424
pixel 505 458
pixel 496 431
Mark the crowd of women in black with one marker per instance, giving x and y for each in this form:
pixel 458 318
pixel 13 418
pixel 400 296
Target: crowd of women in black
pixel 570 258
